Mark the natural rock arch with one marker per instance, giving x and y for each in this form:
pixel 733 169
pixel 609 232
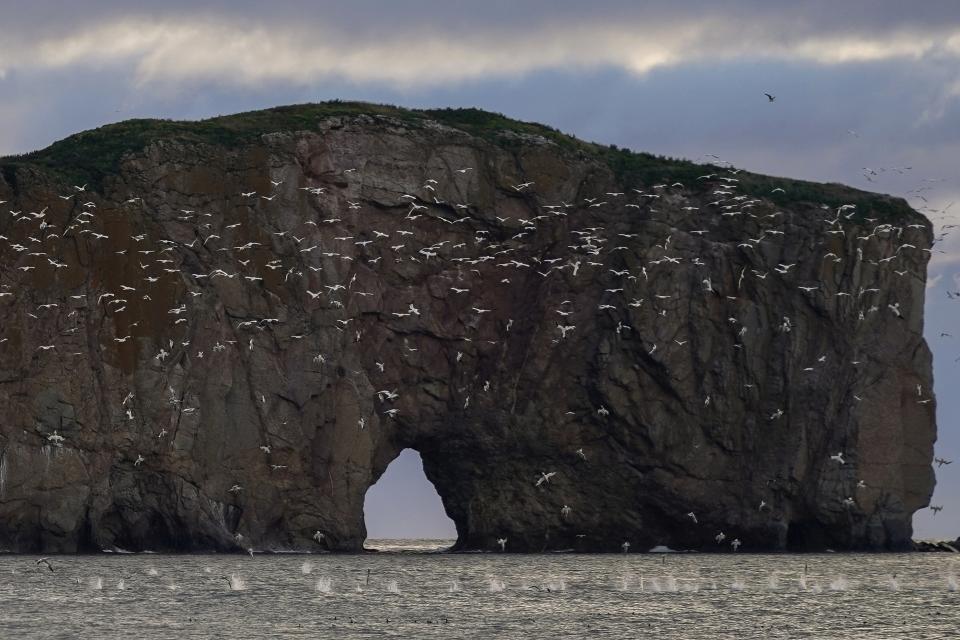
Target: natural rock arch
pixel 257 411
pixel 404 504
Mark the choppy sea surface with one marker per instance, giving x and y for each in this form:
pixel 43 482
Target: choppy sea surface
pixel 411 590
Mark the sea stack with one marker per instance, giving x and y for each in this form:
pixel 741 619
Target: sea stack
pixel 264 309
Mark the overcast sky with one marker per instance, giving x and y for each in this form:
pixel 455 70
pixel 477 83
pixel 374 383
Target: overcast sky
pixel 858 83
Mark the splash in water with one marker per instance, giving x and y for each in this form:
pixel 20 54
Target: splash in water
pixel 306 567
pixel 236 582
pixel 496 585
pixel 324 585
pixel 392 587
pixel 892 583
pixel 556 585
pixel 839 583
pixel 689 585
pixel 121 584
pixel 96 583
pixel 738 584
pixel 952 584
pixel 152 572
pixel 455 587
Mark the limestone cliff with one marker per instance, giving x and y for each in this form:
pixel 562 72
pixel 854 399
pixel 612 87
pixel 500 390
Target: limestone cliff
pixel 222 339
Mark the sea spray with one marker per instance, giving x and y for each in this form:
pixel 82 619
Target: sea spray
pixel 952 583
pixel 689 585
pixel 839 583
pixel 496 585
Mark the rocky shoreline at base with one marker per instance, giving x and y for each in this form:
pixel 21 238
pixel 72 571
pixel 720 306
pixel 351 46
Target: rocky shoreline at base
pixel 948 546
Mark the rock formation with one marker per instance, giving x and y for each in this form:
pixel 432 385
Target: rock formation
pixel 199 352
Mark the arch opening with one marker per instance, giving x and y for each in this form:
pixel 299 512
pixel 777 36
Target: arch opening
pixel 403 511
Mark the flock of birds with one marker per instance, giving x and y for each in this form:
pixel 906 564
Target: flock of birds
pixel 38 244
pixel 922 196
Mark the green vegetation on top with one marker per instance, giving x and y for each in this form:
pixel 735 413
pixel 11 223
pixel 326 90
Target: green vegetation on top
pixel 92 155
pixel 634 168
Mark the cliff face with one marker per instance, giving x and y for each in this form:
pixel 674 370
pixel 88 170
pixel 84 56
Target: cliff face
pixel 187 365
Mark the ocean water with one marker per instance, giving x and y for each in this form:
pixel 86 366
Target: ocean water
pixel 413 590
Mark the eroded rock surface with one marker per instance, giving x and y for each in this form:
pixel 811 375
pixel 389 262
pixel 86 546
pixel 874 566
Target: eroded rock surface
pixel 212 360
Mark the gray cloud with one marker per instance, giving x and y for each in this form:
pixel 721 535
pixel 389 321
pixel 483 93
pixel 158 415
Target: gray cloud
pixel 357 14
pixel 423 43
